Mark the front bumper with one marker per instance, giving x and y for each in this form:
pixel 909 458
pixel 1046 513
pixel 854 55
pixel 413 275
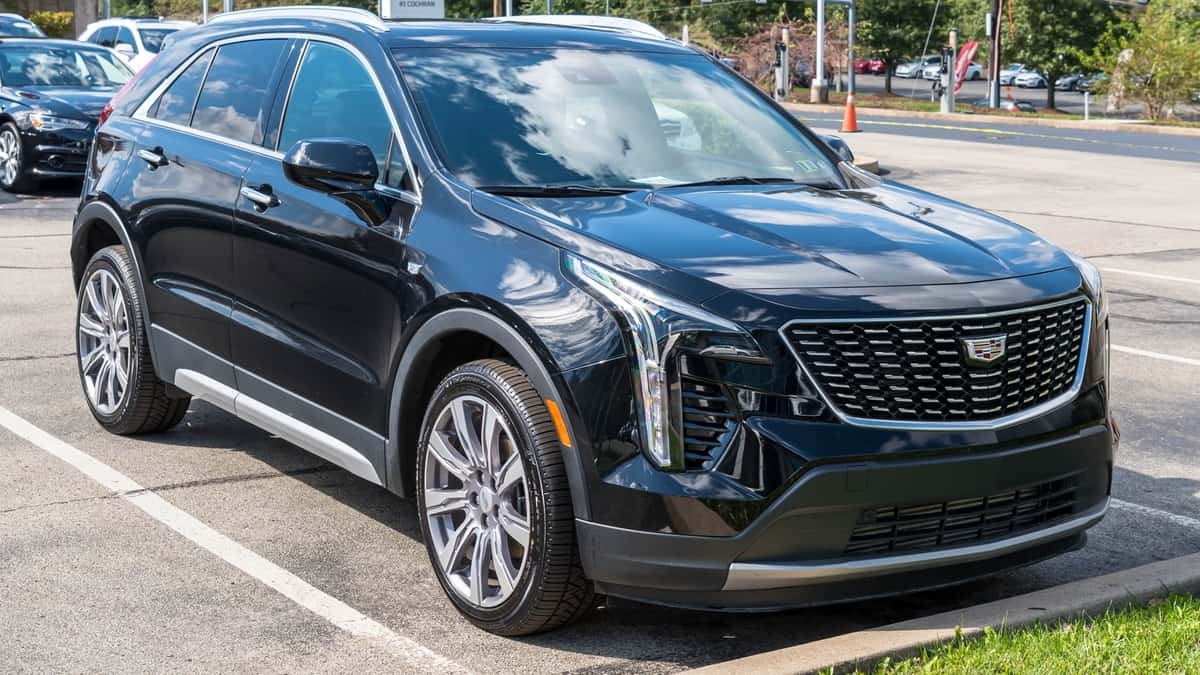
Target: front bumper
pixel 794 553
pixel 57 154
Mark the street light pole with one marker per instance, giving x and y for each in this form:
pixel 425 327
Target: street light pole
pixel 852 16
pixel 817 94
pixel 994 66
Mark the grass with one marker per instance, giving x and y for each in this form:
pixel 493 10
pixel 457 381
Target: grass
pixel 1161 638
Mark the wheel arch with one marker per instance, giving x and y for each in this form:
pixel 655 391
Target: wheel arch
pixel 417 365
pixel 98 225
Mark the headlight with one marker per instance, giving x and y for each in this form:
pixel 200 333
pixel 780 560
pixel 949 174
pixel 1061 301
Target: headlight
pixel 658 325
pixel 44 122
pixel 1095 286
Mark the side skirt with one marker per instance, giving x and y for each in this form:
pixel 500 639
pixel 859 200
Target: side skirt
pixel 201 374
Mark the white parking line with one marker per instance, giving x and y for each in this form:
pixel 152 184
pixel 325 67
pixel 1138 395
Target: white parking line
pixel 1156 355
pixel 1149 275
pixel 336 612
pixel 1173 518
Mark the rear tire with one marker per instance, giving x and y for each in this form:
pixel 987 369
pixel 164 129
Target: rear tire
pixel 115 367
pixel 484 423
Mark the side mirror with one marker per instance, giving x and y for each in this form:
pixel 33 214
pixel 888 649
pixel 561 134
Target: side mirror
pixel 331 165
pixel 840 147
pixel 343 169
pixel 125 50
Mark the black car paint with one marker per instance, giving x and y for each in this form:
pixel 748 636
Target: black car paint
pixel 353 315
pixel 63 152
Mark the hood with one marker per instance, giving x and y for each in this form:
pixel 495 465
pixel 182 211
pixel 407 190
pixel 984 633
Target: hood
pixel 74 102
pixel 768 237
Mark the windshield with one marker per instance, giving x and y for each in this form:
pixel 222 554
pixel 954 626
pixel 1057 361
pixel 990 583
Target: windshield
pixel 152 38
pixel 46 66
pixel 1014 66
pixel 555 117
pixel 14 28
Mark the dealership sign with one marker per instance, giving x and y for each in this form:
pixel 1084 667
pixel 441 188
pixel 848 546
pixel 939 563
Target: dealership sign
pixel 412 9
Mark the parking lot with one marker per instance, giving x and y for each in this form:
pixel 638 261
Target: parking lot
pixel 91 581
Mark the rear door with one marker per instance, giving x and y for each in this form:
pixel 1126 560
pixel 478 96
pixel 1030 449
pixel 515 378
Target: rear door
pixel 317 303
pixel 200 135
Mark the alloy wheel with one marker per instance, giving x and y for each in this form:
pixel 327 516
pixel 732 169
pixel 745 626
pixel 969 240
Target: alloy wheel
pixel 10 157
pixel 104 341
pixel 476 501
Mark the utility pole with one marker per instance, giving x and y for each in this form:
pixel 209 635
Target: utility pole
pixel 85 13
pixel 993 28
pixel 227 6
pixel 852 16
pixel 817 93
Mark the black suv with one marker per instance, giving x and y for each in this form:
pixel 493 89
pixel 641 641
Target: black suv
pixel 618 322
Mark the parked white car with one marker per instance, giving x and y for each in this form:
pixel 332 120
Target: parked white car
pixel 1030 79
pixel 1010 72
pixel 136 40
pixel 914 69
pixel 974 72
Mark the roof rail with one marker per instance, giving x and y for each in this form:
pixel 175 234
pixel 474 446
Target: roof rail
pixel 348 14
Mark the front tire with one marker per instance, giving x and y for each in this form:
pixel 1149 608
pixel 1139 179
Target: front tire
pixel 13 176
pixel 115 368
pixel 495 508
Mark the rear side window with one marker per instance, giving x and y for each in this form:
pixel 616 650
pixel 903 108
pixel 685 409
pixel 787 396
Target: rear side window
pixel 105 36
pixel 335 96
pixel 125 37
pixel 234 94
pixel 177 102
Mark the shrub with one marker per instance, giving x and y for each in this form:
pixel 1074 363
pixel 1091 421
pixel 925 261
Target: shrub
pixel 55 24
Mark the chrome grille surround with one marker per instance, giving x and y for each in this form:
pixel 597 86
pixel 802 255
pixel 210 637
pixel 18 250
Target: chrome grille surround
pixel 915 422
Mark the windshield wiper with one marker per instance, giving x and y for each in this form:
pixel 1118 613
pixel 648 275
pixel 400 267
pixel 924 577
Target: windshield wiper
pixel 733 180
pixel 553 190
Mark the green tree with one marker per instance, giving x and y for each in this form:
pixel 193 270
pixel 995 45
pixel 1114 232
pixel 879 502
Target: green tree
pixel 1157 60
pixel 1054 36
pixel 896 30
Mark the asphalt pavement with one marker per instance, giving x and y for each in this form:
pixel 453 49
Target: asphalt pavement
pixel 95 580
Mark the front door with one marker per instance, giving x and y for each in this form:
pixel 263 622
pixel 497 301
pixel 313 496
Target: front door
pixel 318 297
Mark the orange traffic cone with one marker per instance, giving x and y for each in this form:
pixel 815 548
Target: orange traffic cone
pixel 850 119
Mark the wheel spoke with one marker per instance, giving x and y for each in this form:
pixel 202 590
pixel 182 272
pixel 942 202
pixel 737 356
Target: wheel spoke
pixel 123 339
pixel 447 457
pixel 110 383
pixel 440 501
pixel 491 440
pixel 478 570
pixel 102 378
pixel 122 375
pixel 468 440
pixel 506 576
pixel 100 310
pixel 456 545
pixel 92 358
pixel 510 474
pixel 515 524
pixel 89 326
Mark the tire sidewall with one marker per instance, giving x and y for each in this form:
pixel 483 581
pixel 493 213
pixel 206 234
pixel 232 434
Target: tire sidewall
pixel 16 184
pixel 472 382
pixel 111 259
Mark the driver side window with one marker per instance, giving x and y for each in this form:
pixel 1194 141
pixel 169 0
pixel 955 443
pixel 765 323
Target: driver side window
pixel 335 97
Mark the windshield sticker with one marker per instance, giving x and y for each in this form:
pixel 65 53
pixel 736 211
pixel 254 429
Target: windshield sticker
pixel 808 166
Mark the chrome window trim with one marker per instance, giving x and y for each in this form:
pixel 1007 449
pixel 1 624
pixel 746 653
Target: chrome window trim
pixel 973 425
pixel 141 113
pixel 746 576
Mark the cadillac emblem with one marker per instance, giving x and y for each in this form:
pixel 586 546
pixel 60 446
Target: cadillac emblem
pixel 983 351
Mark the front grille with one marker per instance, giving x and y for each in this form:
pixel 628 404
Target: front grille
pixel 915 370
pixel 708 419
pixel 907 529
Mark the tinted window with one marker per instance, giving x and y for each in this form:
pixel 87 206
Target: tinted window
pixel 233 96
pixel 152 38
pixel 105 36
pixel 334 96
pixel 125 37
pixel 176 103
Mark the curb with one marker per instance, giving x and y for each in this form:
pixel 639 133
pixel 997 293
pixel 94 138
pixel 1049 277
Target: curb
pixel 1131 126
pixel 907 638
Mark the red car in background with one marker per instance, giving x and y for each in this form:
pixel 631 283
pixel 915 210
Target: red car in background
pixel 870 66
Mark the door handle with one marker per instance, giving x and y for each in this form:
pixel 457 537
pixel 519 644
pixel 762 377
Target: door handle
pixel 262 197
pixel 154 158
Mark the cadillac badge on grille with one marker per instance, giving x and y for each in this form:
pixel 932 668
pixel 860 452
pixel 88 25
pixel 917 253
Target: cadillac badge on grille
pixel 984 351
